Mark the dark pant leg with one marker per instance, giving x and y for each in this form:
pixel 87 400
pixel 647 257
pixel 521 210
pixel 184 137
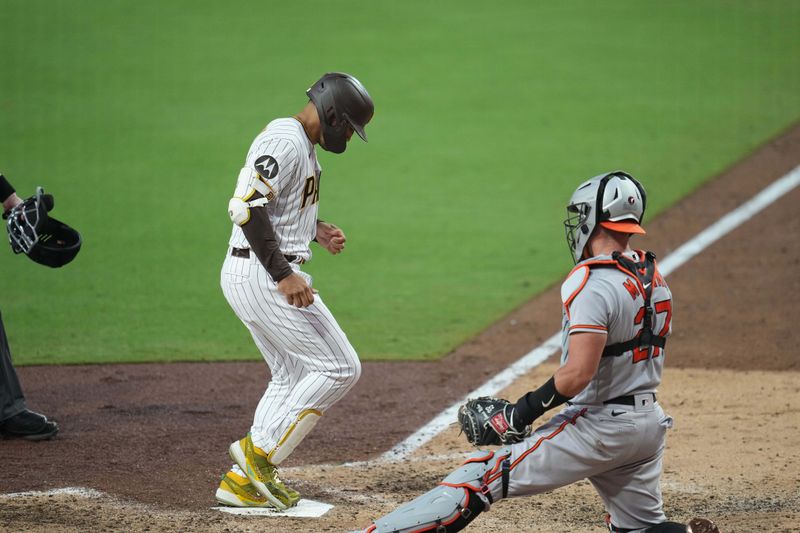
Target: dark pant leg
pixel 12 401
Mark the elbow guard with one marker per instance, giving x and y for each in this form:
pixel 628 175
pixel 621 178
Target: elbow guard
pixel 251 192
pixel 239 209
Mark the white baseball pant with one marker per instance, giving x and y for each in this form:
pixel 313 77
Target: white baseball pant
pixel 312 363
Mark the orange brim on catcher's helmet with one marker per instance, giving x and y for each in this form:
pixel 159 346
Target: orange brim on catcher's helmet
pixel 624 226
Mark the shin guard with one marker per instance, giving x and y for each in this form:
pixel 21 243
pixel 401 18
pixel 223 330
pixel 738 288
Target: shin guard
pixel 452 505
pixel 293 435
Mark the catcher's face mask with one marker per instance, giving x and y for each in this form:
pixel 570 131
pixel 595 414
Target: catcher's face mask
pixel 577 228
pixel 42 238
pixel 25 219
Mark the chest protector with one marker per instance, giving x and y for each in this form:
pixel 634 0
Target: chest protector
pixel 643 273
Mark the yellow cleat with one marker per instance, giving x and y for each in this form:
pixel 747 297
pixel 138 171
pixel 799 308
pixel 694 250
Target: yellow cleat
pixel 262 474
pixel 237 491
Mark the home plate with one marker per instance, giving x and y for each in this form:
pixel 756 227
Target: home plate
pixel 303 509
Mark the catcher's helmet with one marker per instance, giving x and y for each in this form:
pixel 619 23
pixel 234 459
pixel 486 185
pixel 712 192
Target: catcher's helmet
pixel 342 102
pixel 39 236
pixel 614 200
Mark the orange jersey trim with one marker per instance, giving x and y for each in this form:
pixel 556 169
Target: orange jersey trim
pixel 588 326
pixel 579 289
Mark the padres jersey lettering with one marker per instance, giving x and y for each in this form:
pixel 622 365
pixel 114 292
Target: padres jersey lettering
pixel 310 192
pixel 284 159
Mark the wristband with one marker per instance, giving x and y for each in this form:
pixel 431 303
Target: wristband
pixel 534 404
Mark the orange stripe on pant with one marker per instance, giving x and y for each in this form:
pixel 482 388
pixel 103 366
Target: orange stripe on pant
pixel 493 474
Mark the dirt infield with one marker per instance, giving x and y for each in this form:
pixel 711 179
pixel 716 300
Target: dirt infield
pixel 153 438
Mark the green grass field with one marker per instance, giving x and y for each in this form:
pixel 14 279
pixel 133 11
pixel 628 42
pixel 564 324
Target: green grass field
pixel 137 117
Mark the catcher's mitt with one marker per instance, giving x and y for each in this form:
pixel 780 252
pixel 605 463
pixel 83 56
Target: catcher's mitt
pixel 487 421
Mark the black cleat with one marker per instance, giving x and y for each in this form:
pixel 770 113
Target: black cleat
pixel 29 426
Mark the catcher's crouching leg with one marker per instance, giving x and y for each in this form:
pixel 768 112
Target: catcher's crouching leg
pixel 450 507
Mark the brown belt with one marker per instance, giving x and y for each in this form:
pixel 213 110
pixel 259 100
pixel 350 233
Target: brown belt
pixel 245 253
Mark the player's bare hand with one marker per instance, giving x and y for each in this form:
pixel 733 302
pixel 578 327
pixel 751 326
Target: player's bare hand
pixel 296 291
pixel 11 202
pixel 331 237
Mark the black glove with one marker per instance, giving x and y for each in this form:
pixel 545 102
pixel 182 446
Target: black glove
pixel 490 421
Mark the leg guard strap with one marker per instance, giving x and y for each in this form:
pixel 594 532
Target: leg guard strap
pixel 506 470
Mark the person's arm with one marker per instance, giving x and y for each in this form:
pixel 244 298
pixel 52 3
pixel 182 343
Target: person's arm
pixel 585 351
pixel 589 306
pixel 260 235
pixel 7 194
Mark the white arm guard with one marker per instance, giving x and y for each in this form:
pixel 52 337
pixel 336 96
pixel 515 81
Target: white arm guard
pixel 239 210
pixel 247 185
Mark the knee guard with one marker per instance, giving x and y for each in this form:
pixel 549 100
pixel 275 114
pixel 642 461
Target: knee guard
pixel 293 435
pixel 452 505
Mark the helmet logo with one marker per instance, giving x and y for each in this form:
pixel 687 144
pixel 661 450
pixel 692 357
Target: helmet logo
pixel 631 200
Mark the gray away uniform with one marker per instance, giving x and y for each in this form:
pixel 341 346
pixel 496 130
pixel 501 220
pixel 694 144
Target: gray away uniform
pixel 618 447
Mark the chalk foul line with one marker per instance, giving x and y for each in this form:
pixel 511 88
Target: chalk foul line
pixel 538 355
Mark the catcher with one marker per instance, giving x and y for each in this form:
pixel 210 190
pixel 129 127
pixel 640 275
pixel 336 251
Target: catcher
pixel 617 313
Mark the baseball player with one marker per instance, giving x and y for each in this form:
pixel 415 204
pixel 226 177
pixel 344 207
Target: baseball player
pixel 617 313
pixel 47 241
pixel 274 214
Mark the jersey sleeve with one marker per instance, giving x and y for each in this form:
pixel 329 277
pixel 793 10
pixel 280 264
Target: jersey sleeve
pixel 6 189
pixel 274 162
pixel 590 308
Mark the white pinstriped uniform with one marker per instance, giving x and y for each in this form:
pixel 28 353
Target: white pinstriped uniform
pixel 311 361
pixel 293 211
